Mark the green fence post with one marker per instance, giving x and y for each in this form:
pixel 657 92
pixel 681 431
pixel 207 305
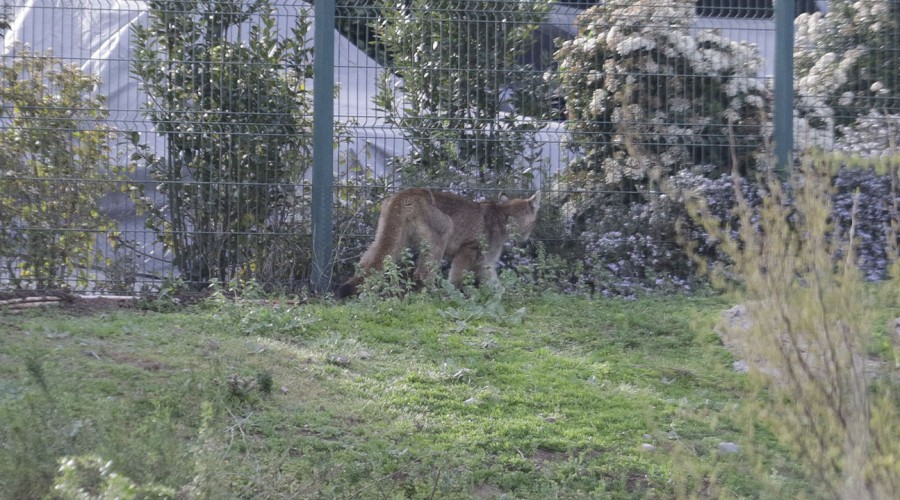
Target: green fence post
pixel 323 141
pixel 784 86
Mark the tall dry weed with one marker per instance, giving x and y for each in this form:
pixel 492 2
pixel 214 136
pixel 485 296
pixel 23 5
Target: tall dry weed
pixel 809 331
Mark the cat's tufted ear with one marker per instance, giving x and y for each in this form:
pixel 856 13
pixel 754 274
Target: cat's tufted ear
pixel 535 200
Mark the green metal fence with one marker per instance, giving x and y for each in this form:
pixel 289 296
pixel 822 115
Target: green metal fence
pixel 202 141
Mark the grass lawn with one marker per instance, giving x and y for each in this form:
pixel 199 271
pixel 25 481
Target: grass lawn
pixel 549 397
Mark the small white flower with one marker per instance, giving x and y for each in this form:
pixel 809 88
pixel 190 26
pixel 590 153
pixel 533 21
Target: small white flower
pixel 846 98
pixel 754 100
pixel 633 44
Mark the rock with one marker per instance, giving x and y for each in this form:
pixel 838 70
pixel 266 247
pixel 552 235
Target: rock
pixel 729 447
pixel 364 355
pixel 648 447
pixel 647 437
pixel 338 360
pixel 740 366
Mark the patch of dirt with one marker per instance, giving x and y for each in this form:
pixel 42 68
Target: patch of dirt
pixel 143 364
pixel 541 456
pixel 97 305
pixel 637 483
pixel 126 359
pixel 14 301
pixel 486 490
pixel 7 295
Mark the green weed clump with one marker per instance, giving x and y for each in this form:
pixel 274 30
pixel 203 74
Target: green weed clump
pixel 810 334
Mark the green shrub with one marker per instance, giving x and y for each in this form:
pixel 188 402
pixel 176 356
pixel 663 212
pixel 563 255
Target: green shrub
pixel 90 477
pixel 52 445
pixel 236 118
pixel 55 167
pixel 461 93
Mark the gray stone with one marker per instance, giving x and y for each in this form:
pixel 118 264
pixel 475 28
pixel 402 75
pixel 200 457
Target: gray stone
pixel 338 360
pixel 729 447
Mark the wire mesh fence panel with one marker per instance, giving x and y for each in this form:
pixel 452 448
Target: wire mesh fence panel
pixel 149 143
pixel 586 102
pixel 207 116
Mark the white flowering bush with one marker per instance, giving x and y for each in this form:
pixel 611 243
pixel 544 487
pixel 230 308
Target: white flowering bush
pixel 650 97
pixel 847 75
pixel 872 135
pixel 644 91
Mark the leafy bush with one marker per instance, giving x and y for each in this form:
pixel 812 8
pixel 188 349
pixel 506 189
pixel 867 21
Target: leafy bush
pixel 55 167
pixel 625 248
pixel 460 90
pixel 90 477
pixel 872 135
pixel 236 116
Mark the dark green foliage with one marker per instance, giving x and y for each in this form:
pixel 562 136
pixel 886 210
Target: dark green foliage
pixel 459 90
pixel 264 382
pixel 637 247
pixel 867 201
pixel 235 115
